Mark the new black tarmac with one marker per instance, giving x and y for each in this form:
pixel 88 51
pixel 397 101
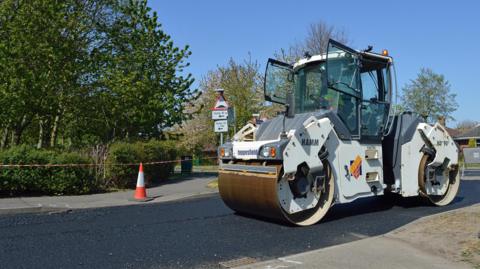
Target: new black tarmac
pixel 193 233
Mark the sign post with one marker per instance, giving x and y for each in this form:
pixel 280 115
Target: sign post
pixel 220 114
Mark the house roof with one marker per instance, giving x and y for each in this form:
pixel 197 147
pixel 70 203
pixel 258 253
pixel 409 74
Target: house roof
pixel 472 133
pixel 452 132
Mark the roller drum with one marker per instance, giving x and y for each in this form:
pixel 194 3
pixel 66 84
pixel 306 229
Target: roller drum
pixel 257 194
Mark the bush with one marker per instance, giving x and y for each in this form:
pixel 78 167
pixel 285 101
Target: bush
pixel 81 179
pixel 45 180
pixel 151 151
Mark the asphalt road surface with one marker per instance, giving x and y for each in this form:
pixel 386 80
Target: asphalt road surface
pixel 197 233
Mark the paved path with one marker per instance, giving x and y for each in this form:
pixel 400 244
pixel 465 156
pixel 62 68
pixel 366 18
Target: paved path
pixel 170 190
pixel 193 233
pixel 371 253
pixel 439 247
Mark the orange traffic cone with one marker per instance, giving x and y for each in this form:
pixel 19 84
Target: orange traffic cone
pixel 140 191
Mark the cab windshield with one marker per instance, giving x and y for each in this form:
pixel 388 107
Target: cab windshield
pixel 311 92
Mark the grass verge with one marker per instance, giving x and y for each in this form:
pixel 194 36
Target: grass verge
pixel 213 184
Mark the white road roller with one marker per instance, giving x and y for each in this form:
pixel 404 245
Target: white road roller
pixel 337 141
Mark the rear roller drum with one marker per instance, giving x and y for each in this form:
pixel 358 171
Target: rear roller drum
pixel 306 199
pixel 438 180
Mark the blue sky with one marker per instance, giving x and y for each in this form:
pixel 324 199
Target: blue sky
pixel 442 35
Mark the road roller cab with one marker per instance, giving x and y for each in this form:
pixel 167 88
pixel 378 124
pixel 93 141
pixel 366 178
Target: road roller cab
pixel 338 140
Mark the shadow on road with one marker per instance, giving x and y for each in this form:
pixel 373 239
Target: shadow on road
pixel 364 206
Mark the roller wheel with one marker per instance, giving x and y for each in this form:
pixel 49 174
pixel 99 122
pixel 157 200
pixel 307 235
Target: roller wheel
pixel 452 180
pixel 298 201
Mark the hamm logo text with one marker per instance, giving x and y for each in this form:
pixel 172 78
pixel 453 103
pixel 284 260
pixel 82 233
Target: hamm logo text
pixel 309 142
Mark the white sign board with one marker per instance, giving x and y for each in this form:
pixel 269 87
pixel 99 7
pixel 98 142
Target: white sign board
pixel 221 126
pixel 221 103
pixel 219 114
pixel 472 155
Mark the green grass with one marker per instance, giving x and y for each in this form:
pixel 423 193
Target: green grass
pixel 472 166
pixel 199 168
pixel 213 184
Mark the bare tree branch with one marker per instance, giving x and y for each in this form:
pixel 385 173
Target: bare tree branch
pixel 314 43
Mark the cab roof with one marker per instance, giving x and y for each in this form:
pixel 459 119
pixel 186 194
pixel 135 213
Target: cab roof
pixel 322 57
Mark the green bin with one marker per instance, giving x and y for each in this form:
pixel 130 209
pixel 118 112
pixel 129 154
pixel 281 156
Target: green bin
pixel 187 164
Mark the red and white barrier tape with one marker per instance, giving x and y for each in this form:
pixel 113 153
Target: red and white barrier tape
pixel 95 164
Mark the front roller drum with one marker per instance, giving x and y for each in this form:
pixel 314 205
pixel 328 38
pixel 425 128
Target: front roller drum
pixel 258 194
pixel 250 193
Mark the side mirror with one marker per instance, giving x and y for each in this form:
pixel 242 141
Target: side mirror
pixel 290 105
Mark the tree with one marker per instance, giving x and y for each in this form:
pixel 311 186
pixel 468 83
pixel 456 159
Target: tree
pixel 398 109
pixel 429 95
pixel 315 42
pixel 39 56
pixel 243 85
pixel 86 72
pixel 466 125
pixel 142 86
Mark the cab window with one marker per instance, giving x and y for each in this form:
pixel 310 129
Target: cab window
pixel 375 79
pixel 343 78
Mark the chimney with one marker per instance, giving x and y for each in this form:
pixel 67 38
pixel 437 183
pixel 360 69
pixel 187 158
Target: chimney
pixel 442 121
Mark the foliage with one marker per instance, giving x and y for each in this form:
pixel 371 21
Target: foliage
pixel 78 73
pixel 54 180
pixel 134 153
pixel 243 85
pixel 429 95
pixel 466 125
pixel 45 180
pixel 140 75
pixel 398 109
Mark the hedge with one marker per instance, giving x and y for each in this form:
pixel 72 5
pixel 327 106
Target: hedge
pixel 82 179
pixel 152 151
pixel 44 180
